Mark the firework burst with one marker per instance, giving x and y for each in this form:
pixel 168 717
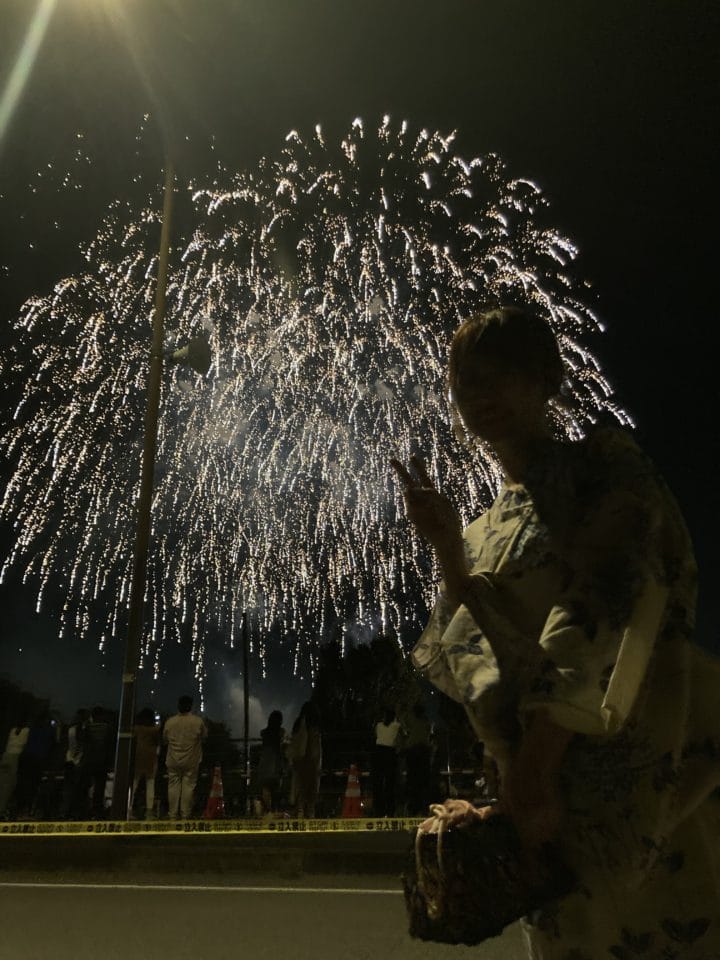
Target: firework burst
pixel 329 281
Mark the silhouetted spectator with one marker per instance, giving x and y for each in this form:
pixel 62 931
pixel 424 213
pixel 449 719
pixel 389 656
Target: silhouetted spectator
pixel 16 741
pixel 271 765
pixel 75 785
pixel 96 758
pixel 34 762
pixel 384 764
pixel 184 734
pixel 416 742
pixel 147 742
pixel 305 755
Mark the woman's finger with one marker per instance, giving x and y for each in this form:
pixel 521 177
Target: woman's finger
pixel 403 473
pixel 418 466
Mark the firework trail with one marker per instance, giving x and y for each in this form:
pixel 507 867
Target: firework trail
pixel 329 281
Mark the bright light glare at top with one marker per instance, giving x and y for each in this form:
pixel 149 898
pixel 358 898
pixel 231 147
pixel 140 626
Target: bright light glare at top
pixel 24 63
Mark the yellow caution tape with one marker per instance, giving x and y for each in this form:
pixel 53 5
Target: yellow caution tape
pixel 104 828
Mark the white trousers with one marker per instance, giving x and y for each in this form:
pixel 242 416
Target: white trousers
pixel 181 790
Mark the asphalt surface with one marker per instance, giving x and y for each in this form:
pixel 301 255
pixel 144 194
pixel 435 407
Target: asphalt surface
pixel 291 896
pixel 333 917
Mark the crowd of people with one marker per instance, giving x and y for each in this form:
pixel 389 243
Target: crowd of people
pixel 53 771
pixel 87 747
pixel 401 766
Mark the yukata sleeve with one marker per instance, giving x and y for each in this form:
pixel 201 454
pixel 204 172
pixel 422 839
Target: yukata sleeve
pixel 467 649
pixel 466 645
pixel 600 635
pixel 428 655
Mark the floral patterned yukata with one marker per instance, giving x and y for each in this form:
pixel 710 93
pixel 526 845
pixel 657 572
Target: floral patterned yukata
pixel 581 603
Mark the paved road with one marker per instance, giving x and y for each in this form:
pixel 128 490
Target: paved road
pixel 364 920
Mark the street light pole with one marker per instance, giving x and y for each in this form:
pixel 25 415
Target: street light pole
pixel 246 707
pixel 123 751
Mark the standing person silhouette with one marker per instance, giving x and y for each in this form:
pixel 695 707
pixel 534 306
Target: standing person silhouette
pixel 96 759
pixel 16 741
pixel 384 764
pixel 416 746
pixel 184 734
pixel 271 765
pixel 34 762
pixel 75 782
pixel 305 755
pixel 564 626
pixel 147 743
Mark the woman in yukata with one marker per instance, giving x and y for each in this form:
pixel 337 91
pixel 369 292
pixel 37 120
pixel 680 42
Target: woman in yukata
pixel 564 625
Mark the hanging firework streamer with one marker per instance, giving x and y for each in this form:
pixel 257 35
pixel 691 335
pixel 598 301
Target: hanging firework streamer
pixel 329 282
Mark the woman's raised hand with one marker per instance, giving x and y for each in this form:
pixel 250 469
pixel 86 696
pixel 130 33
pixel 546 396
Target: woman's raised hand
pixel 430 511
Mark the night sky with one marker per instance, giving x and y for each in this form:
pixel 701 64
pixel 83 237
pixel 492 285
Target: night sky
pixel 610 106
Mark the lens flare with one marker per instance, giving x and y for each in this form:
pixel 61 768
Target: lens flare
pixel 329 281
pixel 24 63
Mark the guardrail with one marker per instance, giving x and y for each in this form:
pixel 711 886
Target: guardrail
pixel 239 796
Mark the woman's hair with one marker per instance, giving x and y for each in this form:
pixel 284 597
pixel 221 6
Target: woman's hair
pixel 516 338
pixel 146 717
pixel 310 714
pixel 275 719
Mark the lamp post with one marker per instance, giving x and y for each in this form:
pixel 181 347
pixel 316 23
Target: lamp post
pixel 133 643
pixel 246 708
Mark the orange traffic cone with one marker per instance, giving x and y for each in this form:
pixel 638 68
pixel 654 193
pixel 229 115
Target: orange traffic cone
pixel 351 804
pixel 215 807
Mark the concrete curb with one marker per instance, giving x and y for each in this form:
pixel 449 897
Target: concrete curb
pixel 230 856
